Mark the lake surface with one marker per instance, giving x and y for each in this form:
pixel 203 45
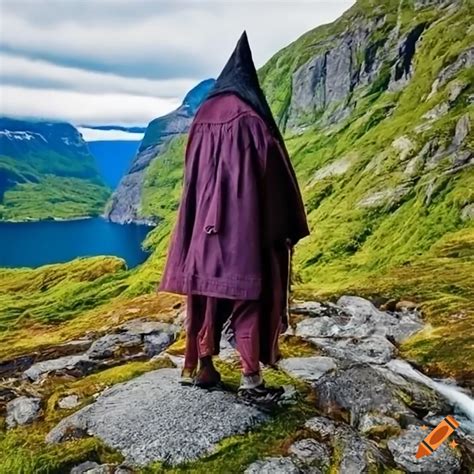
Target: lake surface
pixel 32 244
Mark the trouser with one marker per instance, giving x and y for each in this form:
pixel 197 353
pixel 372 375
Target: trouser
pixel 205 319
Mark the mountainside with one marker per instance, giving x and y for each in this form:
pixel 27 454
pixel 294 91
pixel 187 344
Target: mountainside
pixel 47 171
pixel 126 203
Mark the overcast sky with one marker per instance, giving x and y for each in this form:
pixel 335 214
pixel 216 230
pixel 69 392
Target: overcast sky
pixel 129 61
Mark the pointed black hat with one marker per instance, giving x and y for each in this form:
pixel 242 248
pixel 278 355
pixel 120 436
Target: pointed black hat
pixel 239 76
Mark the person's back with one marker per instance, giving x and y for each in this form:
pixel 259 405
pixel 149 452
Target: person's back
pixel 240 214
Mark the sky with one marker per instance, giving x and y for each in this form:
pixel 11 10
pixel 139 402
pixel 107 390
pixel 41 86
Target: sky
pixel 126 62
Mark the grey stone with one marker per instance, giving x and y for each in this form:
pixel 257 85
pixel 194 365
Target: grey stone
pixel 166 421
pixel 75 364
pixel 143 327
pixel 403 449
pixel 308 368
pixel 378 425
pixel 467 212
pixel 351 393
pixel 84 467
pixel 463 61
pixel 404 146
pixel 387 197
pixel 372 349
pixel 316 309
pixel 323 326
pixel 437 112
pixel 70 401
pixel 274 465
pixel 358 455
pixel 336 168
pixel 156 343
pixel 107 345
pixel 310 451
pixel 455 89
pixel 463 127
pixel 22 411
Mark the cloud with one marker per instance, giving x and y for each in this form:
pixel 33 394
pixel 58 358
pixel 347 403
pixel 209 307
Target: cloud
pixel 121 61
pixel 80 107
pixel 95 135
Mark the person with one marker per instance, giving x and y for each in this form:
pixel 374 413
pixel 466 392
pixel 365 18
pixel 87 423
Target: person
pixel 240 215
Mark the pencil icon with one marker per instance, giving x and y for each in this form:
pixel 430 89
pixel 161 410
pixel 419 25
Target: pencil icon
pixel 436 437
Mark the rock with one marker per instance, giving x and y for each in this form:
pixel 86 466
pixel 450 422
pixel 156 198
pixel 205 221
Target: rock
pixel 156 343
pixel 310 451
pixel 356 454
pixel 404 146
pixel 22 411
pixel 323 326
pixel 74 365
pixel 463 127
pixel 464 60
pixel 107 346
pixel 437 112
pixel 404 447
pixel 351 393
pixel 159 424
pixel 388 197
pixel 308 368
pixel 315 309
pixel 90 467
pixel 143 327
pixel 85 467
pixel 455 89
pixel 467 212
pixel 68 402
pixel 378 426
pixel 406 305
pixel 336 168
pixel 373 349
pixel 274 466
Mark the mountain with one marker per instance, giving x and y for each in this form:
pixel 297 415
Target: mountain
pixel 47 171
pixel 126 202
pixel 113 158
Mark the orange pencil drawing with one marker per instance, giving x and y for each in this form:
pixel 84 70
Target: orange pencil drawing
pixel 436 437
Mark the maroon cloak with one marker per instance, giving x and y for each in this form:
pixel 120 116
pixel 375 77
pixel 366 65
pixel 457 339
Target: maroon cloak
pixel 240 208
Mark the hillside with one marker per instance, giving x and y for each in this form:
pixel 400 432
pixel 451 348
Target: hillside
pixel 47 171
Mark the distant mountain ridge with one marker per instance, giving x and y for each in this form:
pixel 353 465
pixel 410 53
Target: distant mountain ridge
pixel 47 171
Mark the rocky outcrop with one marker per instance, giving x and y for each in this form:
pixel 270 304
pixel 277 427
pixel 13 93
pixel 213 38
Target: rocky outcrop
pixel 153 417
pixel 124 206
pixel 23 411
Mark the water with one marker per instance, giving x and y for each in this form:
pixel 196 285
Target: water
pixel 32 244
pixel 462 402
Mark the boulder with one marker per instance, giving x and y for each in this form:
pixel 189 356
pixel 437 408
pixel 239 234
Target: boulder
pixel 22 411
pixel 310 451
pixel 68 402
pixel 281 465
pixel 71 365
pixel 354 453
pixel 309 369
pixel 404 447
pixel 379 426
pixel 166 421
pixel 107 346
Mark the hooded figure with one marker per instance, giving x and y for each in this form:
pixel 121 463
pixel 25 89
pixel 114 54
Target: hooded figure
pixel 240 215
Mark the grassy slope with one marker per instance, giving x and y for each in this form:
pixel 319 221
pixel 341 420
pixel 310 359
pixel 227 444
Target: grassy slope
pixel 62 183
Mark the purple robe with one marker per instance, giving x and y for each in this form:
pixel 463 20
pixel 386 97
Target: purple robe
pixel 240 207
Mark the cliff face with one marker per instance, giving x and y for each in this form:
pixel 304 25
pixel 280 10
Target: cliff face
pixel 47 171
pixel 125 204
